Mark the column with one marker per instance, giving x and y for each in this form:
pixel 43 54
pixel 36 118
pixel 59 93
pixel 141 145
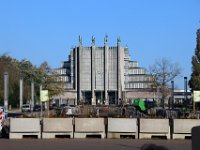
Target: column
pixel 6 90
pixel 79 49
pixel 106 70
pixel 93 71
pixel 32 94
pixel 75 72
pixel 119 86
pixel 20 93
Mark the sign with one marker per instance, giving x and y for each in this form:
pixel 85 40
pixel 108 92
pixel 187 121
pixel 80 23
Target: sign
pixel 196 96
pixel 44 95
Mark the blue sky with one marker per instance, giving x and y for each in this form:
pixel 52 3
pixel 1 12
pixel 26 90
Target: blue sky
pixel 45 30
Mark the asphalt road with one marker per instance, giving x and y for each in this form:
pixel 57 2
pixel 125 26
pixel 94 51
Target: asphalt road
pixel 90 144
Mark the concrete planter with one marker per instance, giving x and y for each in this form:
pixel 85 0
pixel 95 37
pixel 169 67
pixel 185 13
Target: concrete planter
pixel 57 127
pixel 122 127
pixel 86 127
pixel 154 128
pixel 24 127
pixel 182 128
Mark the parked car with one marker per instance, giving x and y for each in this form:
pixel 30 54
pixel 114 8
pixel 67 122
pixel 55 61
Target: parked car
pixel 63 105
pixel 69 111
pixel 38 108
pixel 26 108
pixel 53 106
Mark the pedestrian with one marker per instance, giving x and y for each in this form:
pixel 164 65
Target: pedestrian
pixel 123 111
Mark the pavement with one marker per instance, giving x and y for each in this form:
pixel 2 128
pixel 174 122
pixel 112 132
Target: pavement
pixel 90 144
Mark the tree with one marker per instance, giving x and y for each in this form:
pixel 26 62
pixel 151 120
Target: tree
pixel 50 80
pixel 164 71
pixel 16 70
pixel 29 74
pixel 25 69
pixel 8 64
pixel 194 81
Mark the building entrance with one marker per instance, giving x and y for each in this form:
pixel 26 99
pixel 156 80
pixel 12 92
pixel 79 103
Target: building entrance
pixel 87 96
pixel 112 96
pixel 100 97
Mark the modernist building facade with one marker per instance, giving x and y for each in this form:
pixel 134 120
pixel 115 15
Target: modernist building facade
pixel 103 75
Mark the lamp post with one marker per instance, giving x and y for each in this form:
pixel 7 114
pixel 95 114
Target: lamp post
pixel 185 89
pixel 172 95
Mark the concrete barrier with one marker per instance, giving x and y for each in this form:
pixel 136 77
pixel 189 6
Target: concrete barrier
pixel 89 127
pixel 57 127
pixel 24 127
pixel 122 127
pixel 182 128
pixel 150 128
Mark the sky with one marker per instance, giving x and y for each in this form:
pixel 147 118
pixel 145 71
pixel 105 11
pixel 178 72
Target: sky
pixel 45 30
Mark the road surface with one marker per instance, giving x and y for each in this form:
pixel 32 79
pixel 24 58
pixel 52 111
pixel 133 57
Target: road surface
pixel 90 144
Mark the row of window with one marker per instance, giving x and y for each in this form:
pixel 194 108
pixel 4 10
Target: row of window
pixel 100 77
pixel 61 71
pixel 137 85
pixel 136 71
pixel 138 78
pixel 63 79
pixel 133 64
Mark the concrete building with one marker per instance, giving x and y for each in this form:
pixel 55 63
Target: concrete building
pixel 103 75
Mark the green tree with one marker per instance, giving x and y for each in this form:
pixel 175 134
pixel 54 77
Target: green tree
pixel 50 80
pixel 194 81
pixel 10 65
pixel 42 75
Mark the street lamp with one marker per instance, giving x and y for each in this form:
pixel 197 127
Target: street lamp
pixel 172 95
pixel 185 89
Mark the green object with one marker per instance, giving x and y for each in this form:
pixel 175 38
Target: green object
pixel 139 103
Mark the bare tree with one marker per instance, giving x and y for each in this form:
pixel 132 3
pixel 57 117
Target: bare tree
pixel 164 71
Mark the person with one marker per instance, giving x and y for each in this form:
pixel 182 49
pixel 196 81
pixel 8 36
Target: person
pixel 153 147
pixel 123 111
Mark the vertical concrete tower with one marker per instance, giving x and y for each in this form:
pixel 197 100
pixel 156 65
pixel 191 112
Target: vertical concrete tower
pixel 119 63
pixel 93 71
pixel 106 70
